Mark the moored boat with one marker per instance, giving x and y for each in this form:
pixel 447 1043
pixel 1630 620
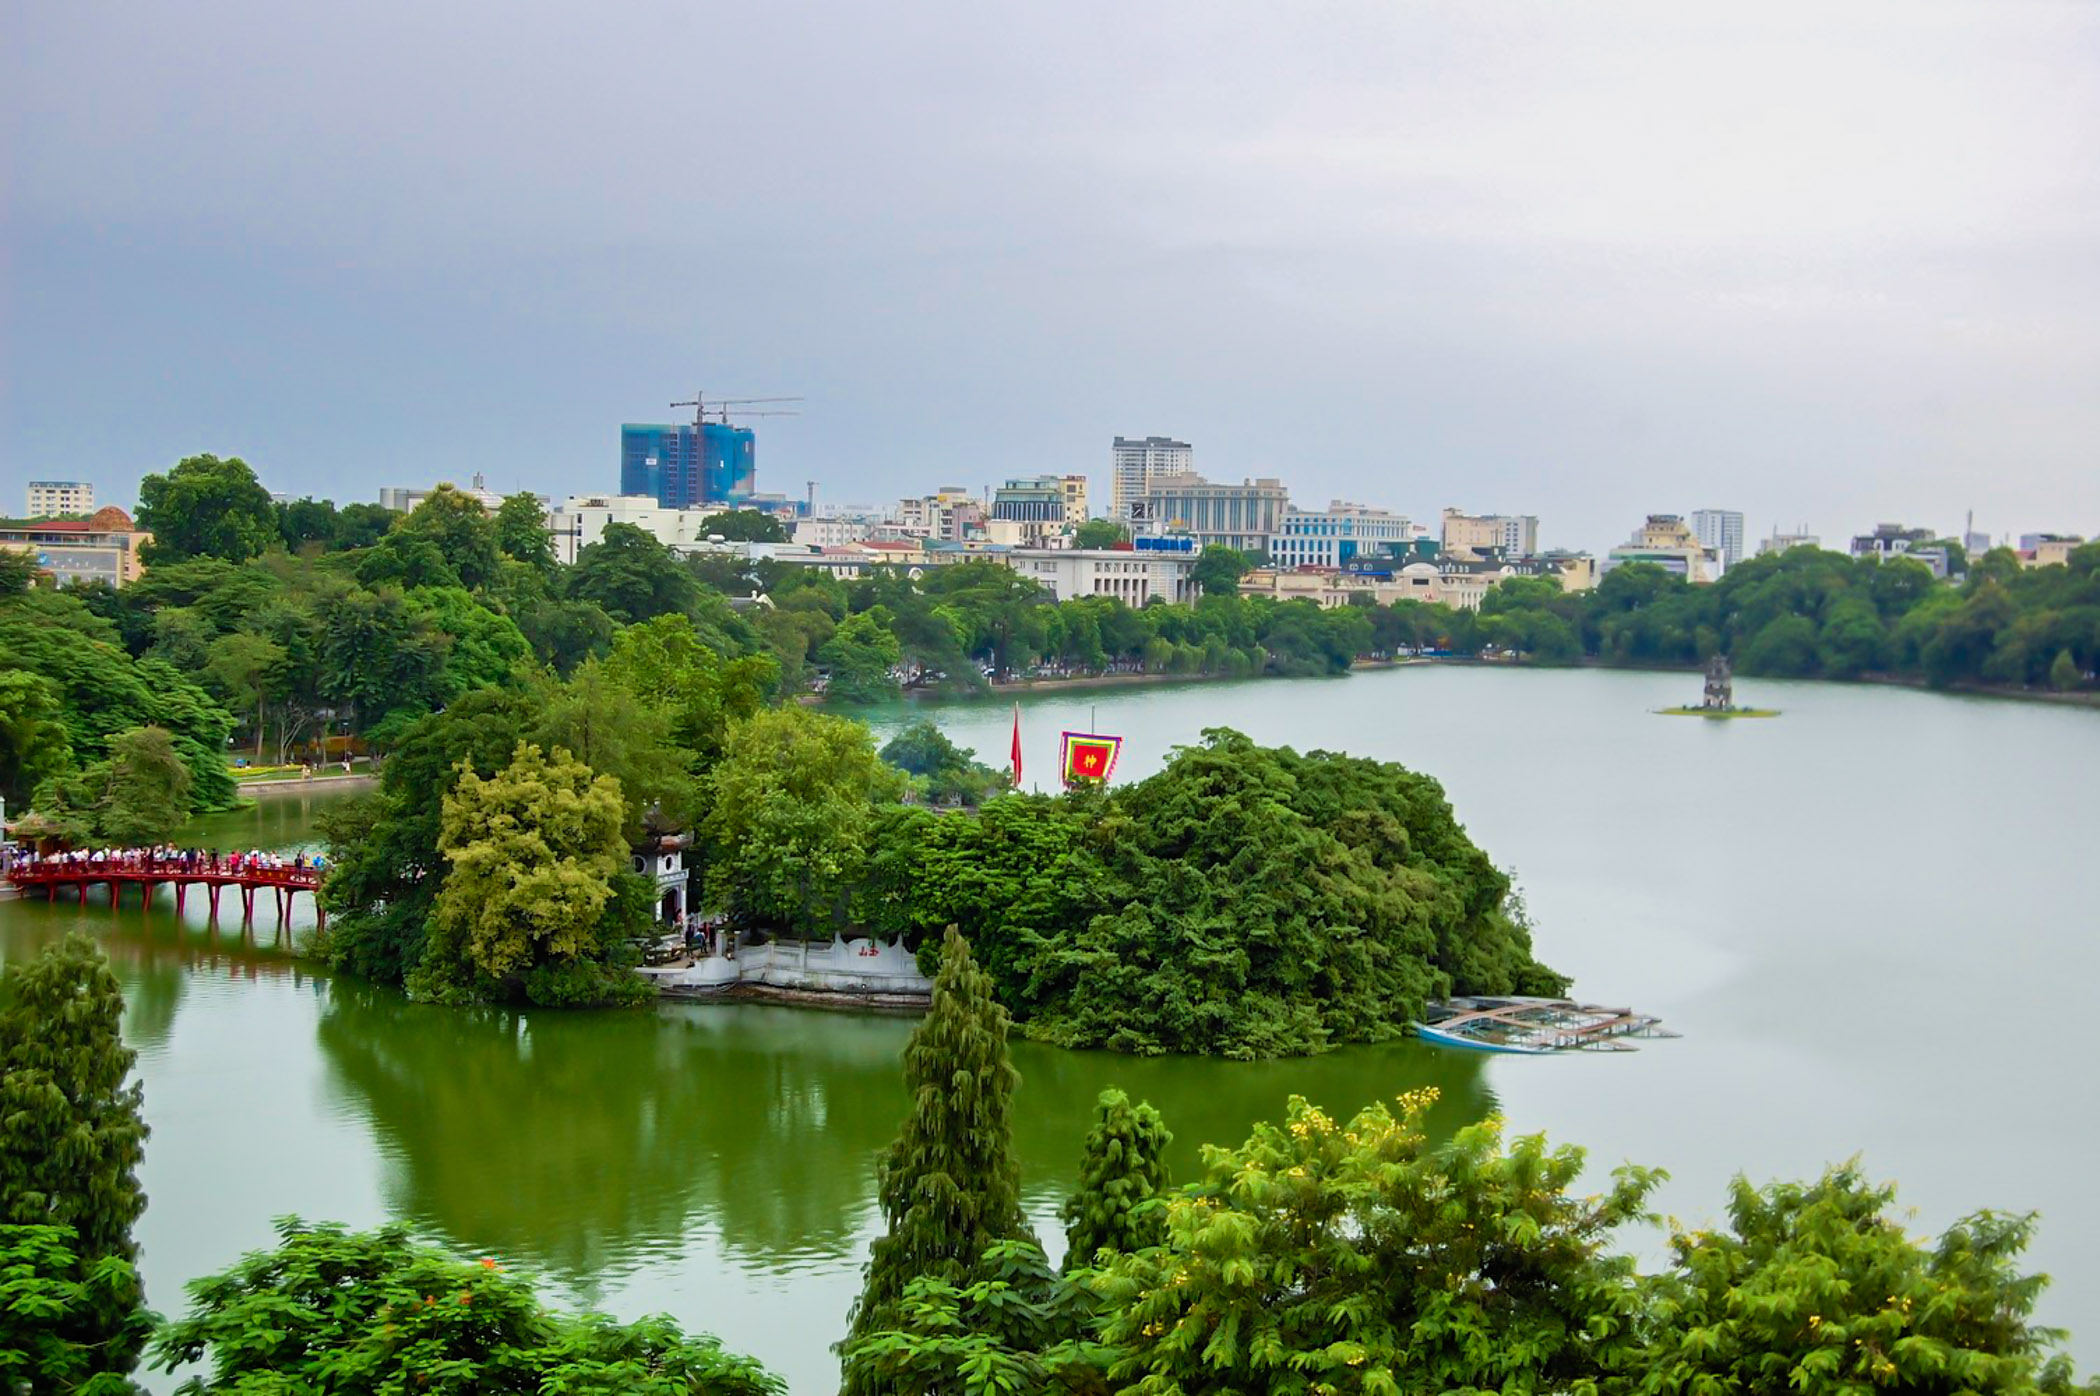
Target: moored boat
pixel 1533 1026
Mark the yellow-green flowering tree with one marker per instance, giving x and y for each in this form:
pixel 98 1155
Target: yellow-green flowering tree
pixel 533 898
pixel 1324 1258
pixel 1816 1290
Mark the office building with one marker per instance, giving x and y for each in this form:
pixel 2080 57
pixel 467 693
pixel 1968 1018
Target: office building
pixel 1478 535
pixel 1243 516
pixel 582 519
pixel 50 498
pixel 1134 463
pixel 1035 505
pixel 104 548
pixel 2049 549
pixel 1337 535
pixel 684 466
pixel 1161 567
pixel 1722 531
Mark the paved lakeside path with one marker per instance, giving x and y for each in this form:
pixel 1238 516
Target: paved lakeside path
pixel 293 785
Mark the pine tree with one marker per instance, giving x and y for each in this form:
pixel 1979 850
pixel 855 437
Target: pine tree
pixel 948 1185
pixel 70 1133
pixel 1125 1166
pixel 2063 673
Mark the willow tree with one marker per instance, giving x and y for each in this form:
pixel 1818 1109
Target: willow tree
pixel 1123 1178
pixel 948 1184
pixel 71 1139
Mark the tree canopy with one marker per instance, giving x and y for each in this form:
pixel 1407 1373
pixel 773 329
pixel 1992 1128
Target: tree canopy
pixel 206 507
pixel 71 1139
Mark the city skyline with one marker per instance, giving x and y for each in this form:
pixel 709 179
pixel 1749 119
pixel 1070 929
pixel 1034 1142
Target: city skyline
pixel 1823 268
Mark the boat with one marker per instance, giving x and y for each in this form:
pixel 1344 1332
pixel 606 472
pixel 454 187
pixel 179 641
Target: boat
pixel 1533 1026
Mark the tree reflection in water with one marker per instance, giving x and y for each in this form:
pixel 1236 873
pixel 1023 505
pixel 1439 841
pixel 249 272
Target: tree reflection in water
pixel 585 1144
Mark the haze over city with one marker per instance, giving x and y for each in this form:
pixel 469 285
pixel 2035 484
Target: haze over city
pixel 1827 265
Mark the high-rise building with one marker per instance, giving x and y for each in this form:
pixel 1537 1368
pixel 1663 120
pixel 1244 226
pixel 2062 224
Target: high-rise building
pixel 1721 530
pixel 50 498
pixel 683 466
pixel 1337 535
pixel 1245 516
pixel 1135 463
pixel 1515 535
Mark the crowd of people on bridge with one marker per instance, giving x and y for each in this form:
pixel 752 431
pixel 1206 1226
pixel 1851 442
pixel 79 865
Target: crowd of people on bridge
pixel 169 861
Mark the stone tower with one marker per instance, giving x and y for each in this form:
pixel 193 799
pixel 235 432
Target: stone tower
pixel 1720 685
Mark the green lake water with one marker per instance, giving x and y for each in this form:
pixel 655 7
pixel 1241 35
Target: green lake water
pixel 1870 917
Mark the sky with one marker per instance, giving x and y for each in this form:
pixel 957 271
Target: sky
pixel 1829 263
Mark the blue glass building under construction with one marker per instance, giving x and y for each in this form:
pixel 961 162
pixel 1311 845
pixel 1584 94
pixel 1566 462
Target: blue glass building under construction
pixel 687 465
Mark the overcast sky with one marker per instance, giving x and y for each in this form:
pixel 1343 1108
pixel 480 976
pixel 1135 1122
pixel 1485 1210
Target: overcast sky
pixel 1826 263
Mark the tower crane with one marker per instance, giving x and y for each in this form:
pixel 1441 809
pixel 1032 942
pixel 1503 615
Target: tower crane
pixel 743 405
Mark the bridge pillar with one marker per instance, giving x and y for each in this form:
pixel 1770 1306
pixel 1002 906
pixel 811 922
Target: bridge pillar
pixel 247 904
pixel 181 892
pixel 212 890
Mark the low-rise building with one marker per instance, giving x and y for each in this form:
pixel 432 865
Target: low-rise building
pixel 102 548
pixel 1337 535
pixel 403 499
pixel 830 532
pixel 1461 583
pixel 2050 550
pixel 50 498
pixel 1034 508
pixel 1152 567
pixel 1890 541
pixel 1670 544
pixel 1511 535
pixel 1074 489
pixel 1780 542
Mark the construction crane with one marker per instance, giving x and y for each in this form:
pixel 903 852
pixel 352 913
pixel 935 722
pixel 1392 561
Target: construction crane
pixel 721 405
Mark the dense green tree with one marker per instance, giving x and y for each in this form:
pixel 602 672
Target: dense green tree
pixel 1100 533
pixel 948 1184
pixel 2063 672
pixel 361 525
pixel 143 793
pixel 1817 1289
pixel 1017 1326
pixel 791 818
pixel 17 571
pixel 459 528
pixel 943 773
pixel 631 576
pixel 337 1312
pixel 71 1137
pixel 1260 902
pixel 33 740
pixel 743 526
pixel 306 523
pixel 521 532
pixel 534 853
pixel 1120 1204
pixel 206 507
pixel 379 658
pixel 1218 570
pixel 861 656
pixel 386 865
pixel 63 1318
pixel 1362 1258
pixel 599 720
pixel 666 663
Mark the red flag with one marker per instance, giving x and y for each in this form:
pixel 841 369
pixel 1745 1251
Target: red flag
pixel 1017 746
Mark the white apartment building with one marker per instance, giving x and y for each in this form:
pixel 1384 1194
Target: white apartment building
pixel 582 520
pixel 1331 537
pixel 1468 535
pixel 1134 463
pixel 830 533
pixel 403 499
pixel 50 498
pixel 1722 531
pixel 1132 576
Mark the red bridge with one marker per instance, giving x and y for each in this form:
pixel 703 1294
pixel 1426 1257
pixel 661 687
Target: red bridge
pixel 149 874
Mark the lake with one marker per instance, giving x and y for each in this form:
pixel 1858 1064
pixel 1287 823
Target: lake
pixel 1868 917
